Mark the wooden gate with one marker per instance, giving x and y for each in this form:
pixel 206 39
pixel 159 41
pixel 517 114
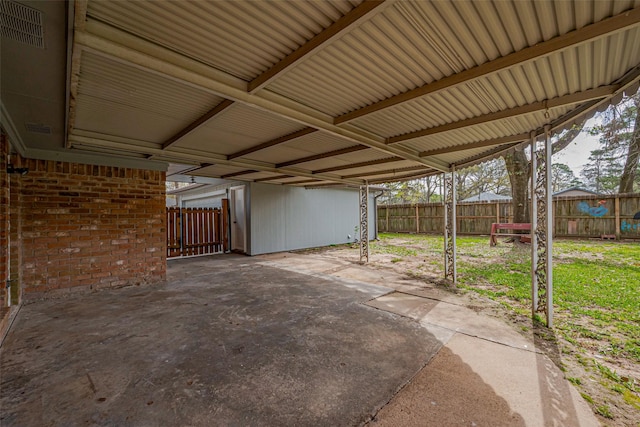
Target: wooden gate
pixel 196 231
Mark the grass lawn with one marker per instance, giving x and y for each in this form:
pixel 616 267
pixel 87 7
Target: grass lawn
pixel 596 296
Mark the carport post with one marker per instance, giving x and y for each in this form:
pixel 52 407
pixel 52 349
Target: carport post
pixel 450 270
pixel 534 226
pixel 542 229
pixel 364 222
pixel 549 228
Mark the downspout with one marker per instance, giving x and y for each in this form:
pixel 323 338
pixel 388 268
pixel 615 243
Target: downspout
pixel 375 216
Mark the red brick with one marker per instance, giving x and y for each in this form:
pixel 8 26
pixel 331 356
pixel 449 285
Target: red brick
pixel 83 225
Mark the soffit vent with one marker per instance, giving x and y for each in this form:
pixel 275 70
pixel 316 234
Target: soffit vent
pixel 21 23
pixel 38 128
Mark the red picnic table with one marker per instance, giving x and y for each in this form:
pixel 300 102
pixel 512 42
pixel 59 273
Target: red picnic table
pixel 497 226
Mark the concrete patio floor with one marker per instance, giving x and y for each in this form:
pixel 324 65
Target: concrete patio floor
pixel 284 339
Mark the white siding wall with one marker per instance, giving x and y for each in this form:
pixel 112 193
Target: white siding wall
pixel 285 218
pixel 206 196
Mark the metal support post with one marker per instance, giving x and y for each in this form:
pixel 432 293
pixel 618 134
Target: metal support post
pixel 549 228
pixel 364 223
pixel 534 225
pixel 542 234
pixel 450 270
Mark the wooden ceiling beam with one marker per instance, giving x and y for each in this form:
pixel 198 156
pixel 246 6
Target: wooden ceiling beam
pixel 354 17
pixel 574 98
pixel 303 181
pixel 273 178
pixel 240 173
pixel 322 156
pixel 192 169
pixel 196 124
pixel 359 165
pixel 407 177
pixel 478 144
pixel 276 141
pixel 399 170
pixel 132 50
pixel 564 41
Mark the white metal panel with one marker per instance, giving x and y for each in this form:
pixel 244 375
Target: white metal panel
pixel 237 128
pixel 243 38
pixel 120 100
pixel 406 45
pixel 308 145
pixel 286 218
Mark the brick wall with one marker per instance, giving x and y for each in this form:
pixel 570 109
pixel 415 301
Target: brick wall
pixel 4 222
pixel 87 227
pixel 15 226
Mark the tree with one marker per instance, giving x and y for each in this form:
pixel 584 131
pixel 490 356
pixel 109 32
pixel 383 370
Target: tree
pixel 562 177
pixel 421 190
pixel 488 177
pixel 630 173
pixel 614 166
pixel 519 170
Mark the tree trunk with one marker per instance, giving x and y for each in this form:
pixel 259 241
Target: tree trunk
pixel 633 156
pixel 518 168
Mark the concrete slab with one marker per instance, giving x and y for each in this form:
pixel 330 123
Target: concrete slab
pixel 227 341
pixel 474 382
pixel 335 274
pixel 284 339
pixel 404 304
pixel 430 312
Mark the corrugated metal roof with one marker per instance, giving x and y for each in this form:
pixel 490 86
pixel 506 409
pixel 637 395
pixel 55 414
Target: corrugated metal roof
pixel 237 128
pixel 115 98
pixel 239 37
pixel 377 72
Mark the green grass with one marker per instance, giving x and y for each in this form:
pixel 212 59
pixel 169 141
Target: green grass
pixel 593 281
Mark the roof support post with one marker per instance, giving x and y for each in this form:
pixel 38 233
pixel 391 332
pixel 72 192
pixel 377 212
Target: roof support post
pixel 450 269
pixel 364 223
pixel 542 230
pixel 549 227
pixel 534 226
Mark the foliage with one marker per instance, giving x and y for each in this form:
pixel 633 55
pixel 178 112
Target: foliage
pixel 423 190
pixel 488 177
pixel 614 166
pixel 563 178
pixel 602 173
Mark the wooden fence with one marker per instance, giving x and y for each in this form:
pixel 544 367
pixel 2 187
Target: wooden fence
pixel 195 231
pixel 576 216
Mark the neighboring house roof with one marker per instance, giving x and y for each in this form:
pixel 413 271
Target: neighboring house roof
pixel 574 190
pixel 486 197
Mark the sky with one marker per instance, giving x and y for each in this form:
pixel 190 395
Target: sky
pixel 576 154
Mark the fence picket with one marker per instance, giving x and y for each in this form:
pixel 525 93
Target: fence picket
pixel 193 231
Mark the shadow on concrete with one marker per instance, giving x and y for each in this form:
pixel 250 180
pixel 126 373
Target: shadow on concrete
pixel 225 342
pixel 447 392
pixel 555 392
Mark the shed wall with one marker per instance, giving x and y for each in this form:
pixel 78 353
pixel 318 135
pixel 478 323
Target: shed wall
pixel 287 218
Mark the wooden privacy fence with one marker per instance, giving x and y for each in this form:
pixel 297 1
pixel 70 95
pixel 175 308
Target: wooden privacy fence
pixel 195 231
pixel 575 216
